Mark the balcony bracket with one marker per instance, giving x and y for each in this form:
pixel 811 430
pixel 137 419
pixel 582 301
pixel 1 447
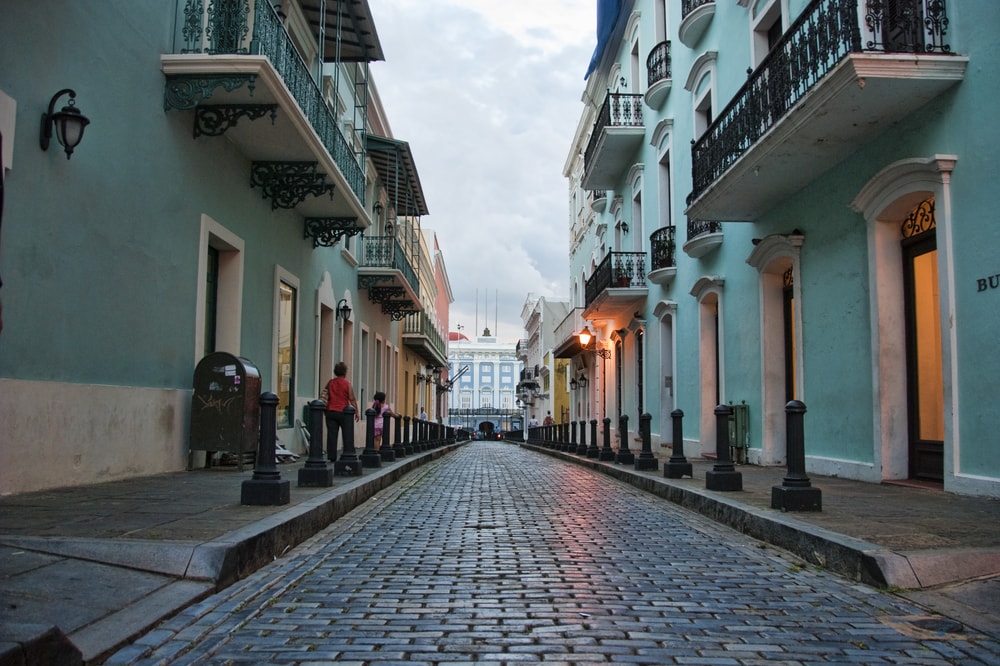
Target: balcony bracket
pixel 385 294
pixel 288 184
pixel 371 282
pixel 215 119
pixel 327 231
pixel 399 309
pixel 185 92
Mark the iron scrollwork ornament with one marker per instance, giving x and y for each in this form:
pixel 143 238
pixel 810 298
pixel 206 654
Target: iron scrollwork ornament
pixel 288 184
pixel 327 231
pixel 215 119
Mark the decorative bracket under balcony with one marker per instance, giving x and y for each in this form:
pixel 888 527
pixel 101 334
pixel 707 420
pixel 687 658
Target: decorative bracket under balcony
pixel 371 282
pixel 399 309
pixel 287 184
pixel 185 92
pixel 327 231
pixel 215 119
pixel 385 294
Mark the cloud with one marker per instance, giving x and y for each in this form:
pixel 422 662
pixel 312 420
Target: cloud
pixel 487 93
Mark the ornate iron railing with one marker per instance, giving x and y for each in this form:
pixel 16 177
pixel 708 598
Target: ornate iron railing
pixel 224 28
pixel 621 270
pixel 702 227
pixel 823 35
pixel 688 6
pixel 658 63
pixel 618 110
pixel 385 252
pixel 662 245
pixel 420 324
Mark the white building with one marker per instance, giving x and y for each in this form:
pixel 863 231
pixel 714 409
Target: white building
pixel 484 375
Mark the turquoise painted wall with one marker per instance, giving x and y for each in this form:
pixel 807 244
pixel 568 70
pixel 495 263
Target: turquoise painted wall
pixel 99 253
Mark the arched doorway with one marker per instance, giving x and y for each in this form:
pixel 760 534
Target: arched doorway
pixel 776 258
pixel 906 207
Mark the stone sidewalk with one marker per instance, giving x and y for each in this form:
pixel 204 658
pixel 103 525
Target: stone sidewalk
pixel 87 569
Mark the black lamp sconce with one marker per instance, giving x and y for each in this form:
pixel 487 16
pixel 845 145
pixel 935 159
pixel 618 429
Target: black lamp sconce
pixel 343 310
pixel 68 123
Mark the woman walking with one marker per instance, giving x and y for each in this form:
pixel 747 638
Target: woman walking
pixel 340 395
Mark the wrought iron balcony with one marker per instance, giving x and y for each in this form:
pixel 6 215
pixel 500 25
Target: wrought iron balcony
pixel 617 286
pixel 662 259
pixel 236 67
pixel 567 334
pixel 598 200
pixel 696 15
pixel 388 276
pixel 618 131
pixel 420 335
pixel 703 236
pixel 658 75
pixel 863 71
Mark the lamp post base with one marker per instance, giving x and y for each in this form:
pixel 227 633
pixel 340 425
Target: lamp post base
pixel 347 467
pixel 678 470
pixel 265 492
pixel 723 480
pixel 646 462
pixel 625 457
pixel 791 498
pixel 320 477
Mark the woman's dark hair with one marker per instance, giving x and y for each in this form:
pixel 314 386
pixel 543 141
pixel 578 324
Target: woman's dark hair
pixel 340 370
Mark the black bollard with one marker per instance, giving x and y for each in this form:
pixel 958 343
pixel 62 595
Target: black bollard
pixel 266 487
pixel 349 464
pixel 385 449
pixel 370 456
pixel 678 467
pixel 723 475
pixel 398 447
pixel 646 460
pixel 625 455
pixel 407 444
pixel 316 473
pixel 607 453
pixel 593 451
pixel 581 449
pixel 796 492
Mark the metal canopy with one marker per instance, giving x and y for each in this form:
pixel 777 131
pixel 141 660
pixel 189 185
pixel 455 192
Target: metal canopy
pixel 358 40
pixel 394 163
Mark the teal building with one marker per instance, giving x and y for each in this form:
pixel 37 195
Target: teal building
pixel 236 189
pixel 776 200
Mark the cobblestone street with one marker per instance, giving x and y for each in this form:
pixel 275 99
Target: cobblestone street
pixel 496 555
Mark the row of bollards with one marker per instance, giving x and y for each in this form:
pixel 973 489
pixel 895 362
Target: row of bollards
pixel 794 494
pixel 407 436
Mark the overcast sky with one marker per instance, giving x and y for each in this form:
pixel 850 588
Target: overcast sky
pixel 487 93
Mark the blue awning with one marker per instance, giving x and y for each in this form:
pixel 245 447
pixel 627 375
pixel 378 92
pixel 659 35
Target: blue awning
pixel 607 14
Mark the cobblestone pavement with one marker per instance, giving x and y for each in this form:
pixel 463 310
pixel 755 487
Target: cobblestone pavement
pixel 498 555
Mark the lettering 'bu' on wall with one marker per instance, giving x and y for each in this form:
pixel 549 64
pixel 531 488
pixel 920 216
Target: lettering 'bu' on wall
pixel 991 282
